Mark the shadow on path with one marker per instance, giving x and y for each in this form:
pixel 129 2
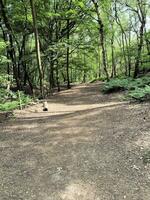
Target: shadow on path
pixel 90 151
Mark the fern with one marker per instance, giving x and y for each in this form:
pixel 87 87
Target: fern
pixel 138 89
pixel 9 100
pixel 140 94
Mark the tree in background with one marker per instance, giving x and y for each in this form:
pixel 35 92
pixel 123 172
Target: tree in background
pixel 37 47
pixel 46 44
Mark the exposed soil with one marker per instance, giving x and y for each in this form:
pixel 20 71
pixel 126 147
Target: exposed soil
pixel 88 146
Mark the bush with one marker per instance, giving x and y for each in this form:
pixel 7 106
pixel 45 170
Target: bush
pixel 5 80
pixel 10 100
pixel 8 106
pixel 139 83
pixel 115 85
pixel 140 94
pixel 6 95
pixel 138 89
pixel 146 157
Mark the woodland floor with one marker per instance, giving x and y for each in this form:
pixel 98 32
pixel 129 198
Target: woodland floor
pixel 88 146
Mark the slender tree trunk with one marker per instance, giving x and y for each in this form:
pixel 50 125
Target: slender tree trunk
pixel 37 45
pixel 51 72
pixel 8 66
pixel 57 39
pixel 147 43
pixel 113 74
pixel 129 56
pixel 99 62
pixel 64 77
pixel 139 51
pixel 124 54
pixel 57 75
pixel 20 61
pixel 102 39
pixel 68 50
pixel 51 59
pixel 13 58
pixel 84 71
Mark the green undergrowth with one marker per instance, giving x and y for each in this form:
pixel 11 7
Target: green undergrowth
pixel 146 157
pixel 12 100
pixel 137 89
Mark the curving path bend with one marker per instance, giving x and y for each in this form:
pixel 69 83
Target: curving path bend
pixel 88 146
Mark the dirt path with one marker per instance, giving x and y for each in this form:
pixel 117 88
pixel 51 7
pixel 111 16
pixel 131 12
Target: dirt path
pixel 88 146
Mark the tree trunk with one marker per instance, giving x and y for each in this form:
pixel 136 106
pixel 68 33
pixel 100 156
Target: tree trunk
pixel 84 71
pixel 99 62
pixel 129 56
pixel 67 64
pixel 139 51
pixel 147 43
pixel 37 45
pixel 57 75
pixel 113 74
pixel 13 58
pixel 102 39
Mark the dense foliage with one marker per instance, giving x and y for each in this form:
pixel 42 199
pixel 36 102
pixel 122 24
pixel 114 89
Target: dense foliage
pixel 10 100
pixel 138 89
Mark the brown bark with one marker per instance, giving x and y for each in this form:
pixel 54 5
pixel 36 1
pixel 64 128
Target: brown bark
pixel 147 43
pixel 57 39
pixel 37 45
pixel 139 51
pixel 68 49
pixel 142 19
pixel 102 38
pixel 113 74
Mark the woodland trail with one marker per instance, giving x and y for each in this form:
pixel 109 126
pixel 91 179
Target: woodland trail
pixel 88 146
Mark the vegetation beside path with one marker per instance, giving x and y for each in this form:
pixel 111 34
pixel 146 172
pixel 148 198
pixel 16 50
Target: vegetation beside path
pixel 137 89
pixel 10 100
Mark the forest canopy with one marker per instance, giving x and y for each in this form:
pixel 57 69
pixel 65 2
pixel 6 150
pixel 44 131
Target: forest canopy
pixel 44 44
